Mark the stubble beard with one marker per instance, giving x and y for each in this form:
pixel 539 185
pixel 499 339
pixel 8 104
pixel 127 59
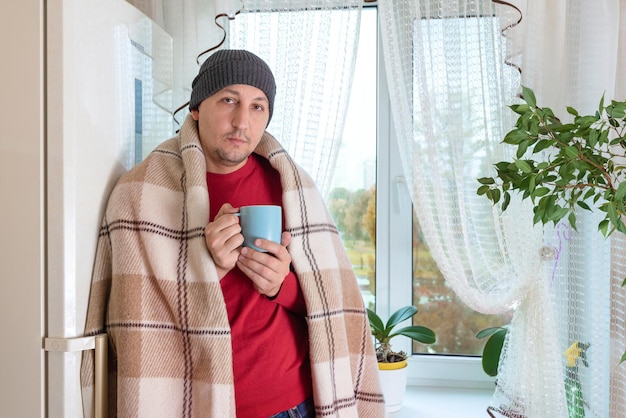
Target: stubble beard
pixel 232 158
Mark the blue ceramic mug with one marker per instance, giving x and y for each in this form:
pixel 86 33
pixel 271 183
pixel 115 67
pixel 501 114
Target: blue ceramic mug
pixel 260 221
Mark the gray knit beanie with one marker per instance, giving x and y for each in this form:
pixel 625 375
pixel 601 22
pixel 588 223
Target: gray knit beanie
pixel 232 66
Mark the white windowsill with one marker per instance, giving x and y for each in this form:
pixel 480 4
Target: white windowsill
pixel 438 402
pixel 448 372
pixel 446 387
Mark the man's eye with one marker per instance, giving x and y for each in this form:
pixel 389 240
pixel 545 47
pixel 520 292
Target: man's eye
pixel 229 100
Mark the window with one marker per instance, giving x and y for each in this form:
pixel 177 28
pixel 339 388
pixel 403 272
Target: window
pixel 441 308
pixel 352 202
pixel 372 208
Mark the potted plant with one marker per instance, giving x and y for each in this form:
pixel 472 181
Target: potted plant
pixel 565 166
pixel 392 364
pixel 562 167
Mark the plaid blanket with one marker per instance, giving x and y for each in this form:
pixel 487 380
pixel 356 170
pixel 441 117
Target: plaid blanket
pixel 156 292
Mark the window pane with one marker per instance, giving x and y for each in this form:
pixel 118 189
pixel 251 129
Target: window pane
pixel 442 310
pixel 352 200
pixel 439 307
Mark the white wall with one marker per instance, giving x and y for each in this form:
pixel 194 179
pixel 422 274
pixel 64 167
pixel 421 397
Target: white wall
pixel 21 209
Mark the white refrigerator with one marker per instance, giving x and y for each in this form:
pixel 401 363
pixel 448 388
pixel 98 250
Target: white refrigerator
pixel 108 110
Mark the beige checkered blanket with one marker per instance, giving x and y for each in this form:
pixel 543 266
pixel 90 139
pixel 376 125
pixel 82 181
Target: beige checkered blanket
pixel 156 292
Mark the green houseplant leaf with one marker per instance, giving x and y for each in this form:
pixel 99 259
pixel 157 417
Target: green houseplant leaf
pixel 493 348
pixel 418 333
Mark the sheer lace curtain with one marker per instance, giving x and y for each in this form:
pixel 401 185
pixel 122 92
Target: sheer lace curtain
pixel 310 48
pixel 571 54
pixel 450 111
pixel 312 51
pixel 451 76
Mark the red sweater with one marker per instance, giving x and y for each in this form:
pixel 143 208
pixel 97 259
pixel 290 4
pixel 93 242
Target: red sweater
pixel 269 337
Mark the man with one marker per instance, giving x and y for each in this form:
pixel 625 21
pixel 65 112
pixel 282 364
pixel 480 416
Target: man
pixel 200 326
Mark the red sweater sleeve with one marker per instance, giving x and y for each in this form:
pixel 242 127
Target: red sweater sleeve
pixel 290 295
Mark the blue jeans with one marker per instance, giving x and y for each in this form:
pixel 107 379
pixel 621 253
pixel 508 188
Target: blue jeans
pixel 305 409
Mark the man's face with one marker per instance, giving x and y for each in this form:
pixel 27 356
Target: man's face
pixel 231 123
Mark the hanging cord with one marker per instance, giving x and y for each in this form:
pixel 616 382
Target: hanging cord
pixel 213 48
pixel 509 60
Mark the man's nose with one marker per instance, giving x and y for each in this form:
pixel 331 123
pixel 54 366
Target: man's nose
pixel 240 118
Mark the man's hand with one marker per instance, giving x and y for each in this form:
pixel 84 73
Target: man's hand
pixel 223 239
pixel 266 270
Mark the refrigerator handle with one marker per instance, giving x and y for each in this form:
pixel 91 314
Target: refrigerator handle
pixel 100 344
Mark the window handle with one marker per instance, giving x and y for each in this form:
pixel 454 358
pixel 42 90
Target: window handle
pixel 401 196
